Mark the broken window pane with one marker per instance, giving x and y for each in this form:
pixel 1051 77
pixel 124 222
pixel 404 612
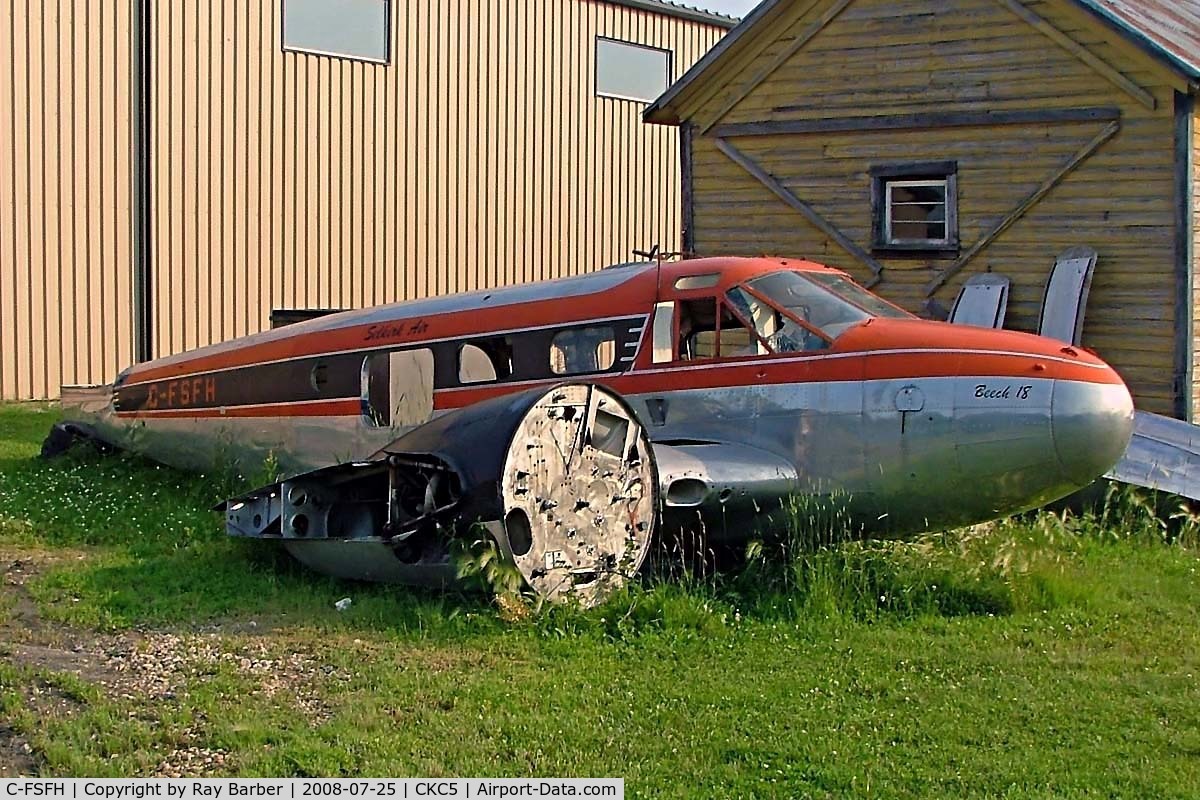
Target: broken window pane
pixel 916 211
pixel 915 206
pixel 583 350
pixel 485 360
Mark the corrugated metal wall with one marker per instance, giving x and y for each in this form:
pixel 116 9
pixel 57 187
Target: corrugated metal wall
pixel 479 157
pixel 65 182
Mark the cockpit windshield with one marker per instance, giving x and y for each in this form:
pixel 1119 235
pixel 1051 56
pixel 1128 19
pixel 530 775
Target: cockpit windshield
pixel 851 291
pixel 826 301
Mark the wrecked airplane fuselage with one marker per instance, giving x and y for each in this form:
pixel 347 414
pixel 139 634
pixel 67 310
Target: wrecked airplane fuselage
pixel 562 480
pixel 569 418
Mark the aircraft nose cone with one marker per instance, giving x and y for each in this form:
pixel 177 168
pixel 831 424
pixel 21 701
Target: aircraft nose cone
pixel 1092 424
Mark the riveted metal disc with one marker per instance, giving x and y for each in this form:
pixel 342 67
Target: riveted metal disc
pixel 579 492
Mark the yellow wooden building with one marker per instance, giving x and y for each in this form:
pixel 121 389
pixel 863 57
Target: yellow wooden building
pixel 173 170
pixel 1017 128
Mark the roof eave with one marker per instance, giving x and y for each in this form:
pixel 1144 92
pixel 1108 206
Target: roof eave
pixel 1190 72
pixel 662 111
pixel 682 12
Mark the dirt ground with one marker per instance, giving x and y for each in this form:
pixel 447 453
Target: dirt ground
pixel 145 666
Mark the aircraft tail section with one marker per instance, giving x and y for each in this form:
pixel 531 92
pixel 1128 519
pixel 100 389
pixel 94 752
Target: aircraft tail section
pixel 88 411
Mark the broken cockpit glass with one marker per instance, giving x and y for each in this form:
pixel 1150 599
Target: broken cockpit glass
pixel 781 333
pixel 851 292
pixel 827 303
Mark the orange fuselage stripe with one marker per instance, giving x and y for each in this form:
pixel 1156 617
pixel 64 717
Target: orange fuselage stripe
pixel 880 365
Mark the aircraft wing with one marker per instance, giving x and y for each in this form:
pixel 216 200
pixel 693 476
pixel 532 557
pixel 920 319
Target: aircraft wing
pixel 562 479
pixel 1164 454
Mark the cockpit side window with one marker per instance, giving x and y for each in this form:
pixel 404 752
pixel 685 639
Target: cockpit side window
pixel 809 302
pixel 695 317
pixel 778 332
pixel 709 328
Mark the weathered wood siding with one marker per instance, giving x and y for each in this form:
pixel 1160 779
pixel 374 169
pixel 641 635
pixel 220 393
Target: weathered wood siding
pixel 892 57
pixel 1196 264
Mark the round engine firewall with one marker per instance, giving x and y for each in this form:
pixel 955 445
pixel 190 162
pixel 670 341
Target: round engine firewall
pixel 579 493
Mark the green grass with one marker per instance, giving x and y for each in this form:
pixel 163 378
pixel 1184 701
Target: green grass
pixel 1041 657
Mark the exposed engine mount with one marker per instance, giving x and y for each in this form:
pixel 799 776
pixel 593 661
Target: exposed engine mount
pixel 562 480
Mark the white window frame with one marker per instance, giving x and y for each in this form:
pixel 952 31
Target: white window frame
pixel 890 185
pixel 886 179
pixel 668 65
pixel 662 337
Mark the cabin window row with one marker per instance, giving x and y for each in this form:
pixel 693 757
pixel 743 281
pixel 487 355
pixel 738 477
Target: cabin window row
pixel 575 351
pixel 397 386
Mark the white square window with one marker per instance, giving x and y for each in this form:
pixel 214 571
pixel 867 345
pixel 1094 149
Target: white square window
pixel 629 71
pixel 355 29
pixel 916 212
pixel 915 207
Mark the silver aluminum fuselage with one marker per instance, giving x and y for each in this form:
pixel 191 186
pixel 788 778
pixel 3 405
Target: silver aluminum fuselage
pixel 899 455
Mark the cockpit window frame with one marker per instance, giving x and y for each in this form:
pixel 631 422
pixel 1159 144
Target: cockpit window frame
pixel 720 303
pixel 904 314
pixel 835 300
pixel 813 329
pixel 750 326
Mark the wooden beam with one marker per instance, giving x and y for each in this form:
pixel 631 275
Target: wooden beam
pixel 807 211
pixel 1081 52
pixel 686 131
pixel 806 36
pixel 1029 202
pixel 929 120
pixel 1185 242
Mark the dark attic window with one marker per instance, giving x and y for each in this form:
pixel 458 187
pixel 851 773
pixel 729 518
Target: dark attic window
pixel 915 207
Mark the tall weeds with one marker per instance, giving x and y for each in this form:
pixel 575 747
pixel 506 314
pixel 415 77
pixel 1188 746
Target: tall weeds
pixel 815 567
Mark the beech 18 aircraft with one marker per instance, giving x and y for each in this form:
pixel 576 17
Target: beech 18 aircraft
pixel 574 418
